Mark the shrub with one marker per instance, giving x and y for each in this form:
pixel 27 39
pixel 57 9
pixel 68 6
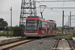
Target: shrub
pixel 59 33
pixel 69 37
pixel 4 33
pixel 18 31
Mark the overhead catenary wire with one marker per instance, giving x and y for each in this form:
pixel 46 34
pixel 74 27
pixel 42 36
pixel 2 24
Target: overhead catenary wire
pixel 47 7
pixel 57 1
pixel 59 7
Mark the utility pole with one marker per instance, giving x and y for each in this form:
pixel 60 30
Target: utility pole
pixel 11 20
pixel 70 19
pixel 62 21
pixel 68 23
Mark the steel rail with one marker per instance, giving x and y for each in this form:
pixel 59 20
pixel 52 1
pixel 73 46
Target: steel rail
pixel 8 48
pixel 12 42
pixel 70 44
pixel 57 42
pixel 56 45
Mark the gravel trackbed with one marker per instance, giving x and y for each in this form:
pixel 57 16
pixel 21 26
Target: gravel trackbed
pixel 41 44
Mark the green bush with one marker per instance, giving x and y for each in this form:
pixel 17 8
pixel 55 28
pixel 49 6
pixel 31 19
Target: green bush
pixel 59 33
pixel 1 34
pixel 5 33
pixel 69 37
pixel 18 31
pixel 8 29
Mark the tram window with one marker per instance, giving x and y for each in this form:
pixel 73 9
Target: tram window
pixel 40 25
pixel 43 24
pixel 47 25
pixel 54 26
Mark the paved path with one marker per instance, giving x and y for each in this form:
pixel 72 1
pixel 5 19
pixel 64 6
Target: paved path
pixel 9 45
pixel 63 45
pixel 7 38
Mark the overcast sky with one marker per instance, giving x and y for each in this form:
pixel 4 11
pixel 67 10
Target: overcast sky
pixel 55 14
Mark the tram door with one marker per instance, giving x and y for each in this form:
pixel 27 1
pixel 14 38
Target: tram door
pixel 46 27
pixel 51 28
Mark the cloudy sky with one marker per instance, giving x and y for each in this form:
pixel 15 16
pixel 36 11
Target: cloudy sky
pixel 54 14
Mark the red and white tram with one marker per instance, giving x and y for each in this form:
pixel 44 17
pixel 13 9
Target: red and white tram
pixel 37 27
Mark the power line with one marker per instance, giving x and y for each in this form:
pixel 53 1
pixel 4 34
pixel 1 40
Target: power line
pixel 55 1
pixel 47 7
pixel 39 3
pixel 53 10
pixel 60 7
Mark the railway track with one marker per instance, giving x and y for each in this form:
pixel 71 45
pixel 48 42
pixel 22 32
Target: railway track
pixel 11 45
pixel 68 45
pixel 14 44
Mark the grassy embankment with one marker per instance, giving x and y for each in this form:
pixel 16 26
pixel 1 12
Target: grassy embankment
pixel 5 33
pixel 69 35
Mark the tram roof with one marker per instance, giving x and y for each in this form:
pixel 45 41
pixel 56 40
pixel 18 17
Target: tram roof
pixel 33 17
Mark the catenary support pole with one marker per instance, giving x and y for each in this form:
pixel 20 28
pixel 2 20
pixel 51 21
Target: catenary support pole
pixel 70 19
pixel 62 21
pixel 11 20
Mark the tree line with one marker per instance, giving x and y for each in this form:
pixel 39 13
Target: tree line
pixel 17 31
pixel 3 24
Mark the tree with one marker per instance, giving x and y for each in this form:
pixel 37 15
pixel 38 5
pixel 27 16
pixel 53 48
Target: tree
pixel 1 19
pixel 22 26
pixel 18 31
pixel 3 23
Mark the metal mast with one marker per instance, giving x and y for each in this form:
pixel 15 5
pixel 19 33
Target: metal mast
pixel 28 7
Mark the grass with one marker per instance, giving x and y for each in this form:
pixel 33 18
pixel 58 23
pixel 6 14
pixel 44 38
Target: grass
pixel 62 34
pixel 5 33
pixel 69 36
pixel 59 33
